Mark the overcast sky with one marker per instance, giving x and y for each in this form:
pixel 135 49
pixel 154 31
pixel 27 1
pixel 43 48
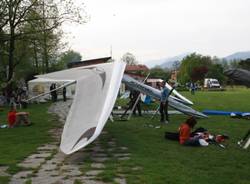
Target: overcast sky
pixel 155 29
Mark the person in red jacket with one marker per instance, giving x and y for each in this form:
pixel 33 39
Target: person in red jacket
pixel 185 129
pixel 12 117
pixel 17 118
pixel 185 134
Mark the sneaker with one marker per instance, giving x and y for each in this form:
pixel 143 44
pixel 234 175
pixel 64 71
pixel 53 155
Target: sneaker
pixel 164 122
pixel 203 142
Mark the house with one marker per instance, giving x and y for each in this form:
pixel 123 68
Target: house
pixel 155 83
pixel 138 72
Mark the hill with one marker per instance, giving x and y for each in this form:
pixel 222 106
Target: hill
pixel 238 56
pixel 166 62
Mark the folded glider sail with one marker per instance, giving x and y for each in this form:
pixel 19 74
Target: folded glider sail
pixel 240 75
pixel 97 87
pixel 155 93
pixel 179 96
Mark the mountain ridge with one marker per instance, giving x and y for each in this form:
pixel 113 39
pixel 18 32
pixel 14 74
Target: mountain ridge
pixel 169 61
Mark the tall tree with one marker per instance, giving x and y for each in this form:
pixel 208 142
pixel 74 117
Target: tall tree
pixel 129 58
pixel 158 72
pixel 44 16
pixel 191 64
pixel 216 71
pixel 70 56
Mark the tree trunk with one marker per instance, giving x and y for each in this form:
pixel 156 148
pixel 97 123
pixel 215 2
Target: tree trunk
pixel 45 51
pixel 11 54
pixel 35 57
pixel 46 57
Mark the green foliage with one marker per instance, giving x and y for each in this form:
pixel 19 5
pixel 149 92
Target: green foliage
pixel 30 34
pixel 68 57
pixel 190 65
pixel 216 71
pixel 196 67
pixel 158 72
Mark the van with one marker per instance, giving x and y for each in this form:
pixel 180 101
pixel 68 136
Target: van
pixel 211 83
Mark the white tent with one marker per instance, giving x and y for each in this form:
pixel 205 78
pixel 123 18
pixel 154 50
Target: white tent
pixel 41 85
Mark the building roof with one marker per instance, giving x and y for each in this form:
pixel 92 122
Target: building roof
pixel 134 68
pixel 89 62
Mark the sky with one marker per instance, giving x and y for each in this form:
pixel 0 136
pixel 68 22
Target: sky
pixel 156 29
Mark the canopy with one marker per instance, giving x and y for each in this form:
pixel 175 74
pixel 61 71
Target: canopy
pixel 96 91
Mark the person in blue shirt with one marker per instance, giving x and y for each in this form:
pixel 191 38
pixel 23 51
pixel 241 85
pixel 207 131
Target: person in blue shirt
pixel 192 88
pixel 164 103
pixel 165 93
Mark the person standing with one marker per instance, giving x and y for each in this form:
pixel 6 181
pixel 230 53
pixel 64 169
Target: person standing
pixel 192 88
pixel 134 95
pixel 55 92
pixel 51 88
pixel 64 94
pixel 164 103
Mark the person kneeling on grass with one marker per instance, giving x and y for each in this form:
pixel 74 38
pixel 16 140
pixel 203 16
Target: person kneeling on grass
pixel 185 137
pixel 17 118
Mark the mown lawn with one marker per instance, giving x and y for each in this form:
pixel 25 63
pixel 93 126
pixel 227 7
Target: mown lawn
pixel 18 143
pixel 154 160
pixel 165 161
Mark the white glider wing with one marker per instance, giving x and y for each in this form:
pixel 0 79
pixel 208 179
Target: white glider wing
pixel 176 93
pixel 97 87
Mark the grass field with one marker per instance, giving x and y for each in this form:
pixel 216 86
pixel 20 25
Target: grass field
pixel 165 161
pixel 159 161
pixel 17 143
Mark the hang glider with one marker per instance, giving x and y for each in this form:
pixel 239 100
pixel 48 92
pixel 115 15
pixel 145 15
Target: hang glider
pixel 95 94
pixel 240 75
pixel 178 104
pixel 97 87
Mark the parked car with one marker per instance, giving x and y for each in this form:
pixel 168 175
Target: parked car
pixel 211 83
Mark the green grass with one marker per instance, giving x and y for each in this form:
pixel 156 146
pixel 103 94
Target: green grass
pixel 18 143
pixel 165 161
pixel 160 161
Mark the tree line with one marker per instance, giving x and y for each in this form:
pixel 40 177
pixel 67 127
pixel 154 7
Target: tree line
pixel 196 67
pixel 31 36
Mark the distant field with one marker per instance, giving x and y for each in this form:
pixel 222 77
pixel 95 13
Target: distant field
pixel 165 161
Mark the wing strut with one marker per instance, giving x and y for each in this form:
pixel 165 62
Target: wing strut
pixel 43 94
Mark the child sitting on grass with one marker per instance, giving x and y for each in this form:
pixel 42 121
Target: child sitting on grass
pixel 17 118
pixel 185 133
pixel 186 137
